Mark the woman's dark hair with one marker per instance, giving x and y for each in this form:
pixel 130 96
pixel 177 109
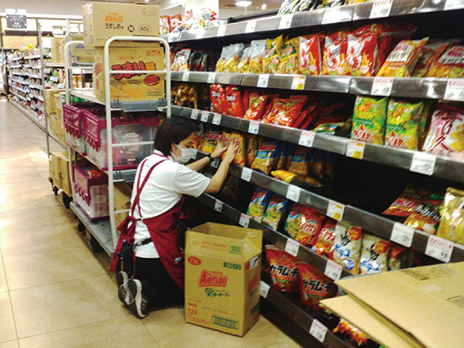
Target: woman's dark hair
pixel 173 130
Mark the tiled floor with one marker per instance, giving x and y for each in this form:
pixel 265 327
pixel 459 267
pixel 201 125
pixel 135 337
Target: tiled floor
pixel 54 292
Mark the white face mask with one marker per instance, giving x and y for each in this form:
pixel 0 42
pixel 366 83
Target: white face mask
pixel 186 155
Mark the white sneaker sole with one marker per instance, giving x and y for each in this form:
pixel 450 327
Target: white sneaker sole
pixel 135 288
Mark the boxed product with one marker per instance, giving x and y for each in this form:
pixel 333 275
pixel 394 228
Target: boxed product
pixel 72 119
pixel 130 86
pixel 49 96
pixel 54 168
pixel 57 49
pixel 104 20
pixel 222 277
pixel 122 200
pixel 91 193
pixel 81 53
pixel 65 178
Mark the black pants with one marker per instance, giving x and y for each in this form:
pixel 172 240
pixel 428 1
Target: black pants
pixel 157 285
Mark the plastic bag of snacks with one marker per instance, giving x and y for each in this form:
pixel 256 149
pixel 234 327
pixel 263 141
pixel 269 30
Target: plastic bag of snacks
pixel 258 49
pixel 234 101
pixel 347 246
pixel 297 179
pixel 361 52
pixel 403 59
pixel 218 99
pixel 374 255
pixel 398 257
pixel 256 108
pixel 271 60
pixel 244 65
pixel 331 3
pixel 427 109
pixel 289 61
pixel 335 50
pixel 211 141
pixel 314 285
pixel 310 55
pixel 165 24
pixel 370 115
pixel 446 133
pixel 403 124
pixel 325 241
pixel 197 61
pixel 181 60
pixel 452 219
pixel 427 215
pixel 239 140
pixel 351 333
pixel 233 58
pixel 450 64
pixel 275 211
pixel 301 160
pixel 252 149
pixel 220 64
pixel 310 226
pixel 287 113
pixel 283 269
pixel 258 204
pixel 429 56
pixel 284 157
pixel 407 202
pixel 266 156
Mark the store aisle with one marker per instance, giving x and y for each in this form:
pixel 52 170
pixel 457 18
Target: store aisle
pixel 54 292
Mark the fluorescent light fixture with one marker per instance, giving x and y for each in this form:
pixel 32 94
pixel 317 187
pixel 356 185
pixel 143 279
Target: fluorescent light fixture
pixel 263 6
pixel 243 3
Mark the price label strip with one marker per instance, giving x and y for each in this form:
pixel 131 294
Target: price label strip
pixel 292 247
pixel 246 174
pixel 453 4
pixel 194 114
pixel 307 138
pixel 222 30
pixel 244 220
pixel 217 119
pixel 204 116
pixel 253 127
pixel 211 77
pixel 381 8
pixel 218 206
pixel 333 15
pixel 355 149
pixel 333 270
pixel 439 248
pixel 185 76
pixel 423 163
pixel 286 21
pixel 336 210
pixel 263 81
pixel 318 330
pixel 298 82
pixel 264 289
pixel 250 27
pixel 402 234
pixel 382 86
pixel 293 193
pixel 454 89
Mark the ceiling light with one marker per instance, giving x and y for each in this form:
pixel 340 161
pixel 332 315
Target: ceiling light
pixel 263 7
pixel 243 3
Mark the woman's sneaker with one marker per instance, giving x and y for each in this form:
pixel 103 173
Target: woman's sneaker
pixel 139 303
pixel 122 280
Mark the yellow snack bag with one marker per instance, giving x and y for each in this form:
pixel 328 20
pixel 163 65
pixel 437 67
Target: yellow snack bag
pixel 244 65
pixel 235 54
pixel 369 117
pixel 220 65
pixel 271 59
pixel 403 124
pixel 452 219
pixel 290 52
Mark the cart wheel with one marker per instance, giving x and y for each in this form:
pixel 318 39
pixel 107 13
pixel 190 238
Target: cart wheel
pixel 80 226
pixel 94 245
pixel 55 190
pixel 66 200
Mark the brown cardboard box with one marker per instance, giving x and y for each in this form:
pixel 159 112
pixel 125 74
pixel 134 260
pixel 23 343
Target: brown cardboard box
pixel 122 200
pixel 131 87
pixel 427 302
pixel 222 277
pixel 50 100
pixel 80 52
pixel 57 49
pixel 65 178
pixel 103 20
pixel 54 169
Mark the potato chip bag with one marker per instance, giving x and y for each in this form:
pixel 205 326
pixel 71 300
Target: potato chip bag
pixel 244 65
pixel 427 110
pixel 398 258
pixel 370 115
pixel 181 60
pixel 310 226
pixel 233 59
pixel 271 60
pixel 351 333
pixel 325 241
pixel 283 269
pixel 234 102
pixel 283 175
pixel 310 55
pixel 403 59
pixel 452 218
pixel 450 64
pixel 335 50
pixel 314 285
pixel 238 139
pixel 289 60
pixel 403 124
pixel 220 65
pixel 211 141
pixel 407 202
pixel 347 246
pixel 361 53
pixel 427 215
pixel 274 211
pixel 218 99
pixel 292 224
pixel 429 56
pixel 256 109
pixel 266 156
pixel 301 160
pixel 287 113
pixel 374 255
pixel 252 149
pixel 258 204
pixel 258 49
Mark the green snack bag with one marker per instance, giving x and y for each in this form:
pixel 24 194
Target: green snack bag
pixel 369 119
pixel 403 124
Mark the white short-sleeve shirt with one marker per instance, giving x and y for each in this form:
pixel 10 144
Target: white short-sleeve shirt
pixel 163 190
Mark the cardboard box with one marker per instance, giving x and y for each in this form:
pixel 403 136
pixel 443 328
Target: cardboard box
pixel 54 169
pixel 222 277
pixel 65 178
pixel 50 99
pixel 57 49
pixel 427 302
pixel 80 52
pixel 103 20
pixel 130 86
pixel 122 200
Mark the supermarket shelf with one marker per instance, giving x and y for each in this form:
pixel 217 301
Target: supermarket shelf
pixel 33 57
pixel 87 95
pixel 37 108
pixel 19 73
pixel 14 66
pixel 54 65
pixel 58 141
pixel 272 236
pixel 35 76
pixel 19 96
pixel 39 87
pixel 444 168
pixel 19 81
pixel 29 115
pixel 16 59
pixel 54 79
pixel 100 230
pixel 19 89
pixel 38 97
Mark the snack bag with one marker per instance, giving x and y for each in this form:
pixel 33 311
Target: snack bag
pixel 450 64
pixel 220 64
pixel 310 226
pixel 274 211
pixel 347 246
pixel 256 108
pixel 446 133
pixel 301 160
pixel 266 156
pixel 197 60
pixel 361 53
pixel 258 49
pixel 428 57
pixel 370 115
pixel 374 255
pixel 403 124
pixel 286 114
pixel 351 333
pixel 310 55
pixel 289 60
pixel 292 224
pixel 233 58
pixel 427 215
pixel 181 60
pixel 234 101
pixel 284 157
pixel 325 241
pixel 452 219
pixel 398 257
pixel 218 99
pixel 335 50
pixel 314 286
pixel 427 109
pixel 271 61
pixel 238 139
pixel 252 149
pixel 403 59
pixel 258 204
pixel 165 24
pixel 283 269
pixel 283 175
pixel 407 202
pixel 244 65
pixel 211 141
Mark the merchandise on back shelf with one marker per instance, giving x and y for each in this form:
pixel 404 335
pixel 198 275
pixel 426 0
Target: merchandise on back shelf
pixel 267 155
pixel 274 212
pixel 244 65
pixel 374 255
pixel 369 119
pixel 285 112
pixel 285 157
pixel 220 64
pixel 271 60
pixel 181 60
pixel 427 110
pixel 197 60
pixel 335 50
pixel 301 160
pixel 450 64
pixel 258 50
pixel 314 285
pixel 234 101
pixel 427 215
pixel 296 179
pixel 233 58
pixel 350 334
pixel 325 241
pixel 403 124
pixel 289 60
pixel 258 204
pixel 452 218
pixel 347 246
pixel 362 51
pixel 283 269
pixel 218 99
pixel 407 202
pixel 310 55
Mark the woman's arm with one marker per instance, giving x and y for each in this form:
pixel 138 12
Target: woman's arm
pixel 202 163
pixel 218 179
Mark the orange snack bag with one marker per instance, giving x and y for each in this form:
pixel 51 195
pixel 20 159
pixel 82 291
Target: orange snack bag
pixel 310 226
pixel 428 57
pixel 310 55
pixel 335 50
pixel 361 53
pixel 256 108
pixel 283 269
pixel 234 101
pixel 325 241
pixel 314 285
pixel 450 64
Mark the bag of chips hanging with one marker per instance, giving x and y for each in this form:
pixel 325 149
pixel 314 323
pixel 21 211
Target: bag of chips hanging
pixel 361 53
pixel 289 60
pixel 234 101
pixel 258 49
pixel 181 60
pixel 266 156
pixel 403 124
pixel 271 61
pixel 325 241
pixel 403 59
pixel 258 204
pixel 335 50
pixel 310 226
pixel 275 211
pixel 452 219
pixel 407 202
pixel 314 285
pixel 427 215
pixel 233 58
pixel 347 246
pixel 218 99
pixel 370 115
pixel 310 55
pixel 450 64
pixel 374 255
pixel 429 56
pixel 256 108
pixel 244 65
pixel 283 269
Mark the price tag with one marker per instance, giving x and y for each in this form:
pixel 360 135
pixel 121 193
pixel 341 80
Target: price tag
pixel 244 220
pixel 263 81
pixel 292 247
pixel 335 210
pixel 439 248
pixel 215 163
pixel 454 4
pixel 382 86
pixel 185 76
pixel 194 114
pixel 307 138
pixel 286 21
pixel 333 270
pixel 218 206
pixel 217 119
pixel 204 116
pixel 381 8
pixel 331 15
pixel 298 82
pixel 355 149
pixel 454 90
pixel 293 193
pixel 264 289
pixel 200 33
pixel 402 234
pixel 423 163
pixel 253 127
pixel 250 27
pixel 211 77
pixel 246 174
pixel 318 330
pixel 222 30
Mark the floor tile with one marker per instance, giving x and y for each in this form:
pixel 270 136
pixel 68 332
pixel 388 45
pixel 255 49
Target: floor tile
pixel 10 344
pixel 38 198
pixel 3 284
pixel 27 216
pixel 7 327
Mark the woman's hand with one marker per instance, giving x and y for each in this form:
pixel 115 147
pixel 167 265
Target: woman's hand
pixel 231 151
pixel 220 149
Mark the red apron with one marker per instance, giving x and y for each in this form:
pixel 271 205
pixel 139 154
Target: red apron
pixel 163 232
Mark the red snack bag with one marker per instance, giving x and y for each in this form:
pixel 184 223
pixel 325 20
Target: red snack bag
pixel 326 239
pixel 234 102
pixel 245 101
pixel 310 226
pixel 314 285
pixel 256 108
pixel 310 55
pixel 407 202
pixel 276 106
pixel 218 99
pixel 361 53
pixel 335 50
pixel 283 269
pixel 289 112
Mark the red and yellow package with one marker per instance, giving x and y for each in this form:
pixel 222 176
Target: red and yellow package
pixel 271 61
pixel 252 149
pixel 300 161
pixel 335 50
pixel 256 108
pixel 450 64
pixel 314 285
pixel 283 269
pixel 349 331
pixel 384 48
pixel 266 156
pixel 274 107
pixel 238 139
pixel 428 57
pixel 289 60
pixel 310 55
pixel 403 59
pixel 407 202
pixel 310 226
pixel 218 99
pixel 211 141
pixel 245 100
pixel 234 102
pixel 289 112
pixel 361 53
pixel 181 60
pixel 326 239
